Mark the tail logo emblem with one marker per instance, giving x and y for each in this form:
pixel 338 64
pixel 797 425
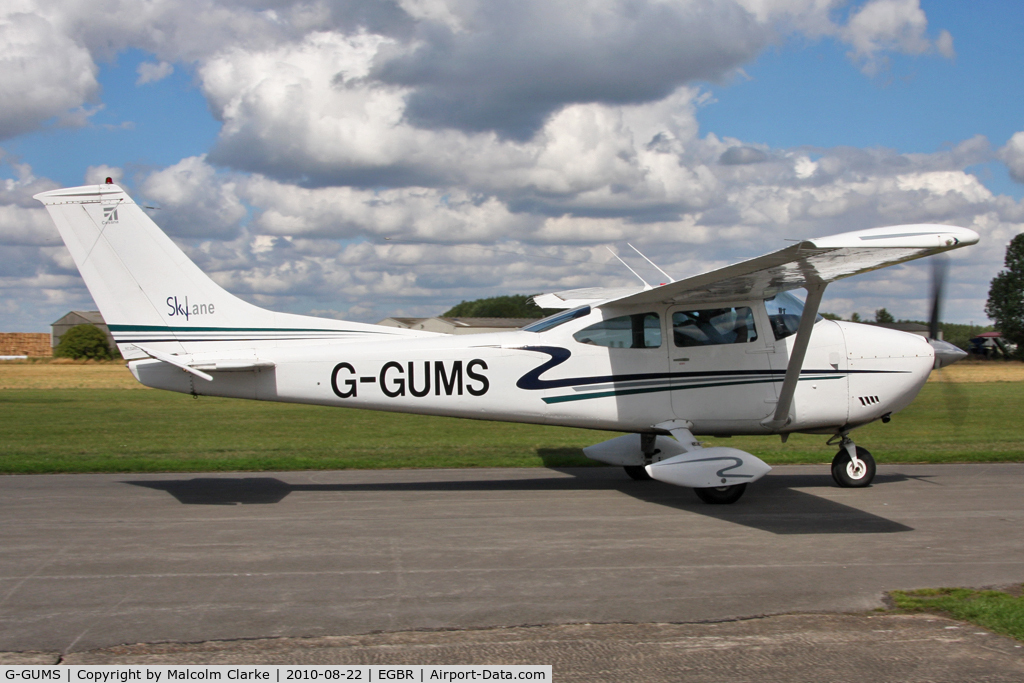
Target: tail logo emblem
pixel 109 214
pixel 178 309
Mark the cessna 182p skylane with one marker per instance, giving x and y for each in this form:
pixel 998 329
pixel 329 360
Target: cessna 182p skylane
pixel 728 352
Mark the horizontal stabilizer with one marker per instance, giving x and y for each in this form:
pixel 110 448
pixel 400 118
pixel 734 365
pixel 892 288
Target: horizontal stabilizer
pixel 171 359
pixel 202 368
pixel 233 365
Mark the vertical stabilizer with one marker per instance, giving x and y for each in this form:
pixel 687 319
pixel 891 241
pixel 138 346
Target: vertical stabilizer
pixel 151 293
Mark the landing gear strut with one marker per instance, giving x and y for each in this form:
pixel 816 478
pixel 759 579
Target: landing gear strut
pixel 647 445
pixel 853 467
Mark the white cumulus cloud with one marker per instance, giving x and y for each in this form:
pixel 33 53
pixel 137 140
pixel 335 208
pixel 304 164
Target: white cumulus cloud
pixel 881 26
pixel 44 72
pixel 151 72
pixel 1012 155
pixel 97 175
pixel 192 202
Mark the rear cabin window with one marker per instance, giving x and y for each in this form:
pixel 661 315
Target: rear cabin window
pixel 638 331
pixel 713 326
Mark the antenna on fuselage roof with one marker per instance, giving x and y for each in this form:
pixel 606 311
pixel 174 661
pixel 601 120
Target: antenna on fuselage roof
pixel 646 286
pixel 670 278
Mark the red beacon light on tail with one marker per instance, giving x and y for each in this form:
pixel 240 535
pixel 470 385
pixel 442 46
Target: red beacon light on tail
pixel 110 181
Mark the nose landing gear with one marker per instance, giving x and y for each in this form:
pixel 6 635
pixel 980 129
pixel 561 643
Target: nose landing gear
pixel 853 466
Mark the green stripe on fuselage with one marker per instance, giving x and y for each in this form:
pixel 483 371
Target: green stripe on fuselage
pixel 162 328
pixel 671 387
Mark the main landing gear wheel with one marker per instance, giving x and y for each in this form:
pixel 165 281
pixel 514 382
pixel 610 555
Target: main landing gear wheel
pixel 721 495
pixel 637 472
pixel 853 476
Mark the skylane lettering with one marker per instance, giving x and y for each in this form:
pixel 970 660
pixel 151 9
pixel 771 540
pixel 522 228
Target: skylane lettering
pixel 179 309
pixel 415 378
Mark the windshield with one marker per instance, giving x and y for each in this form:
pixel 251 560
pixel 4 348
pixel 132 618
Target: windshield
pixel 784 311
pixel 557 319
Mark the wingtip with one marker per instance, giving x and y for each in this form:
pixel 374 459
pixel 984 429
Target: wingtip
pixel 913 236
pixel 968 236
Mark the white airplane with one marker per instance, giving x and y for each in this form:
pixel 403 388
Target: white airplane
pixel 730 351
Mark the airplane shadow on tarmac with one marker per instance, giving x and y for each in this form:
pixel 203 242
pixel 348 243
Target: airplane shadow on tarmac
pixel 773 504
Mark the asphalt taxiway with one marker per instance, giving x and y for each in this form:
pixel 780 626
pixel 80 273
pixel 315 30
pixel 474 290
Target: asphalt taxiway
pixel 92 561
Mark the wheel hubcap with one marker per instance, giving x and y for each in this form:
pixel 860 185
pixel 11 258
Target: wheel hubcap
pixel 856 471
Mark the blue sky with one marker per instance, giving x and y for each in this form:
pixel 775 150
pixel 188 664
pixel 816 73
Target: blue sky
pixel 805 93
pixel 357 159
pixel 798 93
pixel 140 127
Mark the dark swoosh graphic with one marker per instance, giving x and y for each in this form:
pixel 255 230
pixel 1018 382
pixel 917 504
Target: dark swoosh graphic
pixel 532 381
pixel 722 472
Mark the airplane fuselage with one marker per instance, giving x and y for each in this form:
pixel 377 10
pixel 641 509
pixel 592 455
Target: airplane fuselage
pixel 621 370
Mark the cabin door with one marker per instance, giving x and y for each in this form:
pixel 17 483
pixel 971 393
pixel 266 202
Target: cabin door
pixel 718 357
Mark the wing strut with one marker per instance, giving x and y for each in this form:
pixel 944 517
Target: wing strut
pixel 796 360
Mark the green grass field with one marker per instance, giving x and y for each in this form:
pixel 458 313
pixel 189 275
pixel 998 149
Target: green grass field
pixel 112 430
pixel 997 611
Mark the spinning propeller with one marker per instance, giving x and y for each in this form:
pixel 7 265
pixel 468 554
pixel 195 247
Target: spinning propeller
pixel 945 353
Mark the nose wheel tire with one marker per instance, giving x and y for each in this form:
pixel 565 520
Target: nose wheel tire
pixel 853 476
pixel 721 495
pixel 637 472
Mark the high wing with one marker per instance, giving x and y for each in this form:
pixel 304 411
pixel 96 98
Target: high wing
pixel 572 298
pixel 810 262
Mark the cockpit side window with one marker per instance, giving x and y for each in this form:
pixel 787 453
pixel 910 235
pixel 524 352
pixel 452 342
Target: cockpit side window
pixel 712 326
pixel 637 331
pixel 784 311
pixel 552 321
